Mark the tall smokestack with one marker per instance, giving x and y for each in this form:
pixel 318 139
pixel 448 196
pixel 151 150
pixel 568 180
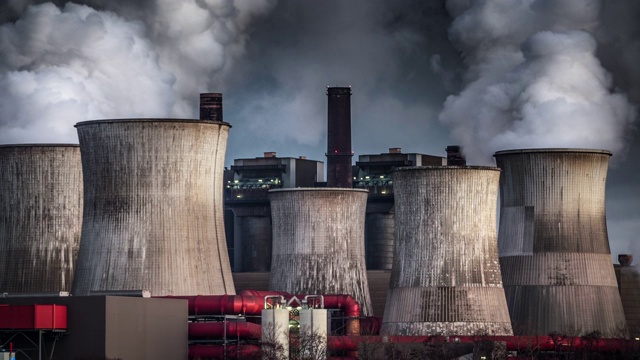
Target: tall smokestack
pixel 40 216
pixel 455 156
pixel 339 153
pixel 553 243
pixel 211 106
pixel 446 278
pixel 153 218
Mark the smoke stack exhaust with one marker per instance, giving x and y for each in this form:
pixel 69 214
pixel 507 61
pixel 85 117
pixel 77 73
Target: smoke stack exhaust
pixel 455 156
pixel 339 151
pixel 625 259
pixel 211 106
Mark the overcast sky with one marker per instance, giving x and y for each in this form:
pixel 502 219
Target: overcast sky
pixel 488 75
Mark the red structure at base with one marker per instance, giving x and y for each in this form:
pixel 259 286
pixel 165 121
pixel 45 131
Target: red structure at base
pixel 33 317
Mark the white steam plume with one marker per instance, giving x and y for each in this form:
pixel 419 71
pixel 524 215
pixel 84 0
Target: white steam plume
pixel 533 79
pixel 61 65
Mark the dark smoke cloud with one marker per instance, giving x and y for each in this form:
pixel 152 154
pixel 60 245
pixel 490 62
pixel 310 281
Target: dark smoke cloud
pixel 395 55
pixel 65 62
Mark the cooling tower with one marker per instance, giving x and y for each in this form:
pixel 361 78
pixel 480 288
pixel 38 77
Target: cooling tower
pixel 339 153
pixel 446 277
pixel 318 242
pixel 40 216
pixel 554 251
pixel 153 215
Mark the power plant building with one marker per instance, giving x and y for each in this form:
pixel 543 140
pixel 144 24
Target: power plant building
pixel 40 216
pixel 153 215
pixel 446 277
pixel 318 242
pixel 247 184
pixel 553 242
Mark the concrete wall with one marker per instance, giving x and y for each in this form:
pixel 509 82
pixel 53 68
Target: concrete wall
pixel 318 242
pixel 553 243
pixel 153 214
pixel 40 216
pixel 446 279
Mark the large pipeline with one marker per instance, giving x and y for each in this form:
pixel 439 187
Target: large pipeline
pixel 346 303
pixel 251 302
pixel 253 305
pixel 223 304
pixel 216 330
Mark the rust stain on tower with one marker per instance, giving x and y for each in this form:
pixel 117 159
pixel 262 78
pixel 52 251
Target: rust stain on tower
pixel 211 106
pixel 339 153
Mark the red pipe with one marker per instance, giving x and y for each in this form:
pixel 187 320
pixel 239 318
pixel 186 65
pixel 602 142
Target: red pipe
pixel 253 303
pixel 218 351
pixel 370 325
pixel 223 304
pixel 216 330
pixel 263 293
pixel 351 308
pixel 513 343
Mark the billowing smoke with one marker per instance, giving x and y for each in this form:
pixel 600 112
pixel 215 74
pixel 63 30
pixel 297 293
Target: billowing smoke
pixel 64 63
pixel 533 79
pixel 395 54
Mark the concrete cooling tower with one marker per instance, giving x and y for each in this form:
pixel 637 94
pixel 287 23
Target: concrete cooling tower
pixel 40 216
pixel 446 277
pixel 153 215
pixel 318 242
pixel 554 250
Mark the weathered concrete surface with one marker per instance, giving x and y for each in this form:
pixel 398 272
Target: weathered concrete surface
pixel 446 277
pixel 553 243
pixel 40 216
pixel 153 214
pixel 318 242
